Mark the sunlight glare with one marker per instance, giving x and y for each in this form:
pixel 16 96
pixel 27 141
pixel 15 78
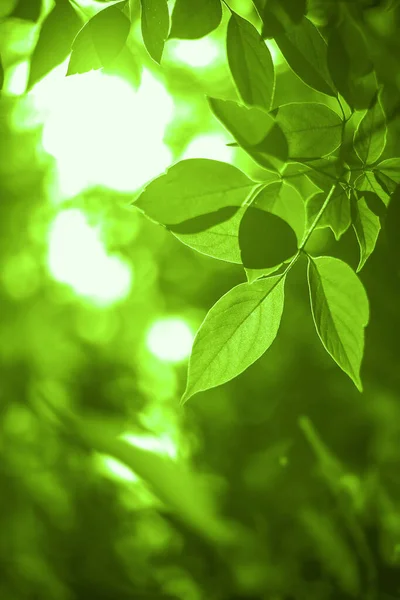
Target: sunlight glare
pixel 195 53
pixel 170 339
pixel 77 257
pixel 101 131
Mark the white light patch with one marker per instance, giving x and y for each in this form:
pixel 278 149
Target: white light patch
pixel 195 53
pixel 163 445
pixel 102 131
pixel 170 339
pixel 210 145
pixel 77 257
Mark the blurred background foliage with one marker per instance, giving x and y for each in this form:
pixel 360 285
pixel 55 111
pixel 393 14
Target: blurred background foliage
pixel 281 485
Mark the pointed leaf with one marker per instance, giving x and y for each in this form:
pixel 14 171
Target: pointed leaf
pixel 100 41
pixel 220 241
pixel 367 182
pixel 28 10
pixel 191 22
pixel 340 310
pixel 56 35
pixel 305 50
pixel 265 239
pixel 192 188
pixel 387 174
pixel 367 227
pixel 370 136
pixel 238 329
pixel 155 26
pixel 254 129
pixel 337 214
pixel 250 63
pixel 311 129
pixel 349 64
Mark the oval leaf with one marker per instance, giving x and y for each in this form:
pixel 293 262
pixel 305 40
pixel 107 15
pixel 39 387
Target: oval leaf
pixel 238 329
pixel 265 239
pixel 337 214
pixel 220 241
pixel 155 26
pixel 312 129
pixel 254 129
pixel 100 41
pixel 56 35
pixel 370 135
pixel 340 310
pixel 250 63
pixel 388 174
pixel 28 10
pixel 192 188
pixel 305 50
pixel 367 227
pixel 189 23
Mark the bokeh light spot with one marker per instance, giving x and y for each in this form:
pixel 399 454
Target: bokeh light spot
pixel 212 146
pixel 170 339
pixel 102 131
pixel 77 257
pixel 195 53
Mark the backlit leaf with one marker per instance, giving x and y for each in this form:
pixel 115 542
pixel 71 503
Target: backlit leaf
pixel 100 41
pixel 387 174
pixel 305 50
pixel 220 241
pixel 194 20
pixel 337 214
pixel 238 329
pixel 312 129
pixel 349 64
pixel 367 182
pixel 28 10
pixel 250 63
pixel 155 26
pixel 370 136
pixel 367 227
pixel 56 35
pixel 341 312
pixel 192 188
pixel 254 129
pixel 265 239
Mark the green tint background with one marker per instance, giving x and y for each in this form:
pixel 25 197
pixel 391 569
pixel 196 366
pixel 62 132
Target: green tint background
pixel 281 485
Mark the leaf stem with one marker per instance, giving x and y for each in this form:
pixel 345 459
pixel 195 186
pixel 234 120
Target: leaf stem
pixel 317 218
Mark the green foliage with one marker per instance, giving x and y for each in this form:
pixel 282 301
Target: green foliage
pixel 155 26
pixel 28 10
pixel 250 63
pixel 100 41
pixel 57 33
pixel 194 188
pixel 192 22
pixel 229 339
pixel 341 312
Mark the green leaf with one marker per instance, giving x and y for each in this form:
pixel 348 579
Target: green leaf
pixel 312 129
pixel 370 135
pixel 238 329
pixel 349 64
pixel 254 129
pixel 191 21
pixel 392 225
pixel 55 39
pixel 100 41
pixel 337 214
pixel 220 241
pixel 28 10
pixel 305 50
pixel 387 173
pixel 192 188
pixel 367 182
pixel 296 175
pixel 155 26
pixel 1 74
pixel 265 239
pixel 340 310
pixel 250 63
pixel 367 227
